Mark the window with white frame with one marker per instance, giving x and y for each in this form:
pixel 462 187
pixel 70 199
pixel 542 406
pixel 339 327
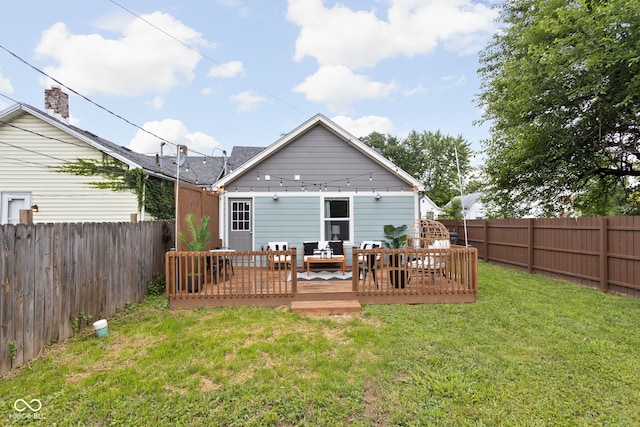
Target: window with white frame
pixel 337 218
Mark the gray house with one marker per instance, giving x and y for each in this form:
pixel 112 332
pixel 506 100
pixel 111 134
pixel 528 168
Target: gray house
pixel 317 182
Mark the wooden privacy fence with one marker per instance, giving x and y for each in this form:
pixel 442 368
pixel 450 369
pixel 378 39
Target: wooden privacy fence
pixel 54 278
pixel 602 252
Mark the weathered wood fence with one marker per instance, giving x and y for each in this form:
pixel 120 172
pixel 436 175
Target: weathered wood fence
pixel 602 253
pixel 55 277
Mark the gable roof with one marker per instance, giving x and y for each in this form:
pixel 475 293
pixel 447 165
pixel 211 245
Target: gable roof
pixel 428 201
pixel 199 173
pixel 338 131
pixel 468 200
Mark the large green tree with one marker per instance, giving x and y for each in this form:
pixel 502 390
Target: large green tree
pixel 428 157
pixel 561 92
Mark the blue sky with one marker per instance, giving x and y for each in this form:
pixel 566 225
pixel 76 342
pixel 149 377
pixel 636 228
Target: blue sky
pixel 221 73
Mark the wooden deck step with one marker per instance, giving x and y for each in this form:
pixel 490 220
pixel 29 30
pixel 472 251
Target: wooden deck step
pixel 326 307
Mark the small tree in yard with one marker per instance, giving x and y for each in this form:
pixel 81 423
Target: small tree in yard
pixel 200 235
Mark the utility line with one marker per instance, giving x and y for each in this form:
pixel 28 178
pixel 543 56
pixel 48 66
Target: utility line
pixel 19 58
pixel 24 161
pixel 40 135
pixel 33 151
pixel 266 92
pixel 24 61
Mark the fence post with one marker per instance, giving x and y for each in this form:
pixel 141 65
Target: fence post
pixel 486 239
pixel 530 247
pixel 604 255
pixel 26 216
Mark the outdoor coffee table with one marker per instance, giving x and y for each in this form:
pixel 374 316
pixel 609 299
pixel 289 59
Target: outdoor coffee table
pixel 336 259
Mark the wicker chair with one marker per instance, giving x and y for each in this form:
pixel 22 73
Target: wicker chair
pixel 425 232
pixel 429 234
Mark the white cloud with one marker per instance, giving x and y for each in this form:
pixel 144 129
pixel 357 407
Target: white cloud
pixel 240 8
pixel 246 101
pixel 206 91
pixel 364 125
pixel 338 87
pixel 453 81
pixel 157 102
pixel 173 131
pixel 419 88
pixel 358 38
pixel 143 60
pixel 5 85
pixel 228 70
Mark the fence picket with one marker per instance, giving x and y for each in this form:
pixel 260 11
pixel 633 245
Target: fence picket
pixel 50 273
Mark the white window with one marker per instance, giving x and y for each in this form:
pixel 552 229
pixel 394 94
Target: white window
pixel 337 218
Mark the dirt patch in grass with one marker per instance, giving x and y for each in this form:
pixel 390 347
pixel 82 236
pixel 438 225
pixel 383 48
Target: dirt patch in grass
pixel 372 404
pixel 207 385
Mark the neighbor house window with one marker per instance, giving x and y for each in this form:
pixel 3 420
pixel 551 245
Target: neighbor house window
pixel 337 219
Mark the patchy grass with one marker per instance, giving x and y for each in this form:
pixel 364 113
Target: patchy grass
pixel 530 352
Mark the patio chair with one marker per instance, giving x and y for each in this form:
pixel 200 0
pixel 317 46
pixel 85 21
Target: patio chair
pixel 432 262
pixel 369 244
pixel 369 263
pixel 278 259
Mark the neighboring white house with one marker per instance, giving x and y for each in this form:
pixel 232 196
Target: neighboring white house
pixel 428 209
pixel 33 143
pixel 472 206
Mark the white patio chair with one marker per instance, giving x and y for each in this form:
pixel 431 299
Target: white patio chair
pixel 278 259
pixel 432 262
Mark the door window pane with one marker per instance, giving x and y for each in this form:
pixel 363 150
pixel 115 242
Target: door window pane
pixel 240 216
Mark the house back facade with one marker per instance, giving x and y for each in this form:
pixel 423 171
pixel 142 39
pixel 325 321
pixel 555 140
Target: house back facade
pixel 316 183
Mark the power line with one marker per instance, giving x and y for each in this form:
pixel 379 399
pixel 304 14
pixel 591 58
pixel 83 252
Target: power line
pixel 19 58
pixel 40 135
pixel 261 89
pixel 33 151
pixel 24 161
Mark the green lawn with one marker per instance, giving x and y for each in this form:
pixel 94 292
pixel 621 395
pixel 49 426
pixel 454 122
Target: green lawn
pixel 530 352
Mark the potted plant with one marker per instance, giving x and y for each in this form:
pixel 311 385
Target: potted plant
pixel 200 238
pixel 396 239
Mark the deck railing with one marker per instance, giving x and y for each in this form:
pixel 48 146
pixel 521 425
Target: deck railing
pixel 413 271
pixel 220 274
pixel 224 278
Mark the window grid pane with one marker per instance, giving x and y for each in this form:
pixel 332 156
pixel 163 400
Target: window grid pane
pixel 337 221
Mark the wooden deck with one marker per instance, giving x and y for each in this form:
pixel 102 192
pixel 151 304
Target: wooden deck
pixel 246 279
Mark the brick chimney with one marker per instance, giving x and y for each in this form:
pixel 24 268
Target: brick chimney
pixel 56 102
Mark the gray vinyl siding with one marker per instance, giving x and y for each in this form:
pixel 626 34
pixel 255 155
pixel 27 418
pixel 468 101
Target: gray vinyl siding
pixel 298 219
pixel 320 158
pixel 289 219
pixel 371 215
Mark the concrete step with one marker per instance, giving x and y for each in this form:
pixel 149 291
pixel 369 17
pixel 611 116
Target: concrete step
pixel 326 307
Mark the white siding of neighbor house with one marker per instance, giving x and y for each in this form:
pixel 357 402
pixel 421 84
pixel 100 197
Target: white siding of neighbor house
pixel 25 166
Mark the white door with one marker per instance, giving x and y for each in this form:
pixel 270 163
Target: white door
pixel 12 203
